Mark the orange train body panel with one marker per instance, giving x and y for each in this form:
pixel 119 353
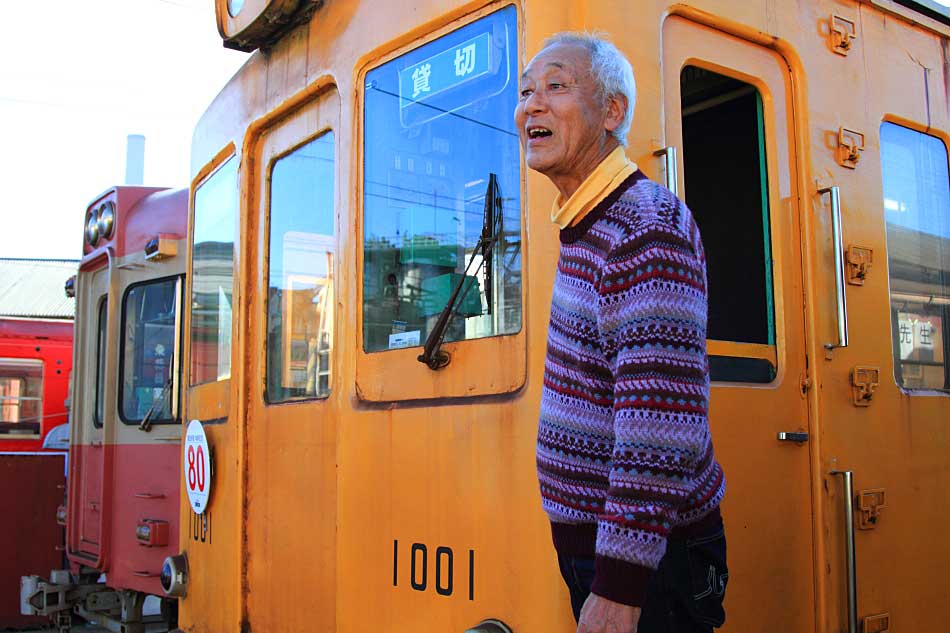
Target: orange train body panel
pixel 383 495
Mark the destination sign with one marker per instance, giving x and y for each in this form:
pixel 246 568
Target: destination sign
pixel 448 69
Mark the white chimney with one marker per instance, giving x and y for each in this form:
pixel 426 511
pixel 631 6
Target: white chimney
pixel 135 160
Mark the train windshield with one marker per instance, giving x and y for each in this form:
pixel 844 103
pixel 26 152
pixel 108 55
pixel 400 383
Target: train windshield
pixel 21 396
pixel 216 207
pixel 149 351
pixel 438 125
pixel 917 216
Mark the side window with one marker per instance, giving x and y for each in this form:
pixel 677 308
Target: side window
pixel 21 396
pixel 300 270
pixel 917 220
pixel 441 180
pixel 150 321
pixel 216 206
pixel 101 360
pixel 724 142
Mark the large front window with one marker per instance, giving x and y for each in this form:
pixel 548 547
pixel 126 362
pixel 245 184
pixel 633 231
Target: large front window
pixel 441 182
pixel 212 264
pixel 917 216
pixel 149 351
pixel 21 396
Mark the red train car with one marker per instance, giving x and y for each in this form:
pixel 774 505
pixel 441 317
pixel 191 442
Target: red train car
pixel 35 361
pixel 122 511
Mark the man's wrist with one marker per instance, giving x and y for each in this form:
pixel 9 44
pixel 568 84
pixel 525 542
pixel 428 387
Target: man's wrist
pixel 620 581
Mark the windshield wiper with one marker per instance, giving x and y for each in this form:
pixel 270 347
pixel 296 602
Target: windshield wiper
pixel 433 355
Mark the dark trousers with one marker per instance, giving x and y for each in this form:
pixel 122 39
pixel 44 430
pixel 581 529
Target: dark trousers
pixel 685 593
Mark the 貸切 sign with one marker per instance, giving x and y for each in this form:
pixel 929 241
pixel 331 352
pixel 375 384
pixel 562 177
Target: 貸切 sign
pixel 448 69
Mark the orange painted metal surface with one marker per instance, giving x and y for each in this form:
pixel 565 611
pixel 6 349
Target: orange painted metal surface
pixel 325 512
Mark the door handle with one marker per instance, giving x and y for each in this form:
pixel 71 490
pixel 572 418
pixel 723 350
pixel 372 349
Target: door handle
pixel 848 479
pixel 841 298
pixel 669 155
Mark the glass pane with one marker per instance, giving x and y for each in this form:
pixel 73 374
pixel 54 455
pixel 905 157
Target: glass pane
pixel 727 190
pixel 300 267
pixel 438 124
pixel 21 396
pixel 216 209
pixel 148 351
pixel 917 216
pixel 101 361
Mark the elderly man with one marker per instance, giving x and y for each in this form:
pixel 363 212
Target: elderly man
pixel 625 460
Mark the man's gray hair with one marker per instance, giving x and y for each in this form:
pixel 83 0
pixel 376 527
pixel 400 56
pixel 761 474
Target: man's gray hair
pixel 610 70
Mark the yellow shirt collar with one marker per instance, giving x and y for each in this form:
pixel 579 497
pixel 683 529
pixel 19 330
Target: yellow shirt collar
pixel 607 176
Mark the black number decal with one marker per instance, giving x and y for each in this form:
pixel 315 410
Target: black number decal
pixel 419 548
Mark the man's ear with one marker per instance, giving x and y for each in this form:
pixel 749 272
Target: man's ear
pixel 616 109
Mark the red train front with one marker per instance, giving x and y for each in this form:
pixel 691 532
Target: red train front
pixel 122 512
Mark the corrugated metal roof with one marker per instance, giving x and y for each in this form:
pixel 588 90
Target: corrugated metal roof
pixel 34 288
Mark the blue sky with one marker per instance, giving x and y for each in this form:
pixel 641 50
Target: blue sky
pixel 75 80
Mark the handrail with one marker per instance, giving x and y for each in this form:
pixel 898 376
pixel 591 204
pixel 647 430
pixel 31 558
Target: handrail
pixel 672 178
pixel 848 479
pixel 840 296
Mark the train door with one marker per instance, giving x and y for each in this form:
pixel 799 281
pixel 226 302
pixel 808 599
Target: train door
pixel 728 111
pixel 88 459
pixel 291 428
pixel 880 137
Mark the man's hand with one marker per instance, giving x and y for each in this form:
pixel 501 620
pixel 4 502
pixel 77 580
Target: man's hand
pixel 600 615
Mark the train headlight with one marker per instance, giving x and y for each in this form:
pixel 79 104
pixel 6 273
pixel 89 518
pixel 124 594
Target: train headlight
pixel 106 220
pixel 92 228
pixel 174 576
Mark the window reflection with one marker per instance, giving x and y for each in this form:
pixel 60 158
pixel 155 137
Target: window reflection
pixel 216 208
pixel 917 214
pixel 101 360
pixel 437 124
pixel 300 273
pixel 21 396
pixel 148 351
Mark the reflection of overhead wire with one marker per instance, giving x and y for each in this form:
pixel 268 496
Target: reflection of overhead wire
pixel 512 209
pixel 372 86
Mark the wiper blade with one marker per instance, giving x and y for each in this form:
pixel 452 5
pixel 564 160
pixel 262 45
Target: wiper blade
pixel 432 354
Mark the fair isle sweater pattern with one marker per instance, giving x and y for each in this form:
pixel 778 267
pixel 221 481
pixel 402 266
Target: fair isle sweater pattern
pixel 624 452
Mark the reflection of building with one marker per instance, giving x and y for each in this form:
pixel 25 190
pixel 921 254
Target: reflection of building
pixel 213 267
pixel 919 270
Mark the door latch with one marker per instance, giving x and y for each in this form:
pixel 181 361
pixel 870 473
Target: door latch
pixel 843 34
pixel 798 437
pixel 870 503
pixel 850 146
pixel 859 259
pixel 864 382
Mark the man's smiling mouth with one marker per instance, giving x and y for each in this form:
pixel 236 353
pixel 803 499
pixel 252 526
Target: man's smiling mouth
pixel 536 131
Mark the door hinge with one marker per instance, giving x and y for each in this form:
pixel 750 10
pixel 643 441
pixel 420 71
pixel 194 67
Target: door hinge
pixel 870 503
pixel 880 623
pixel 859 264
pixel 843 33
pixel 850 146
pixel 864 382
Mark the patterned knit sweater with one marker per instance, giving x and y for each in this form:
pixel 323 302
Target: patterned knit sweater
pixel 624 451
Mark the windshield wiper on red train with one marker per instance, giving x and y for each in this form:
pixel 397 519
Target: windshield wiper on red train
pixel 433 355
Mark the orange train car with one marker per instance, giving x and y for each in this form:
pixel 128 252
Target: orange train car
pixel 122 505
pixel 343 182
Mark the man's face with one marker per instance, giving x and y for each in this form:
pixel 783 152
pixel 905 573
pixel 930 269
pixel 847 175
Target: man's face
pixel 560 117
